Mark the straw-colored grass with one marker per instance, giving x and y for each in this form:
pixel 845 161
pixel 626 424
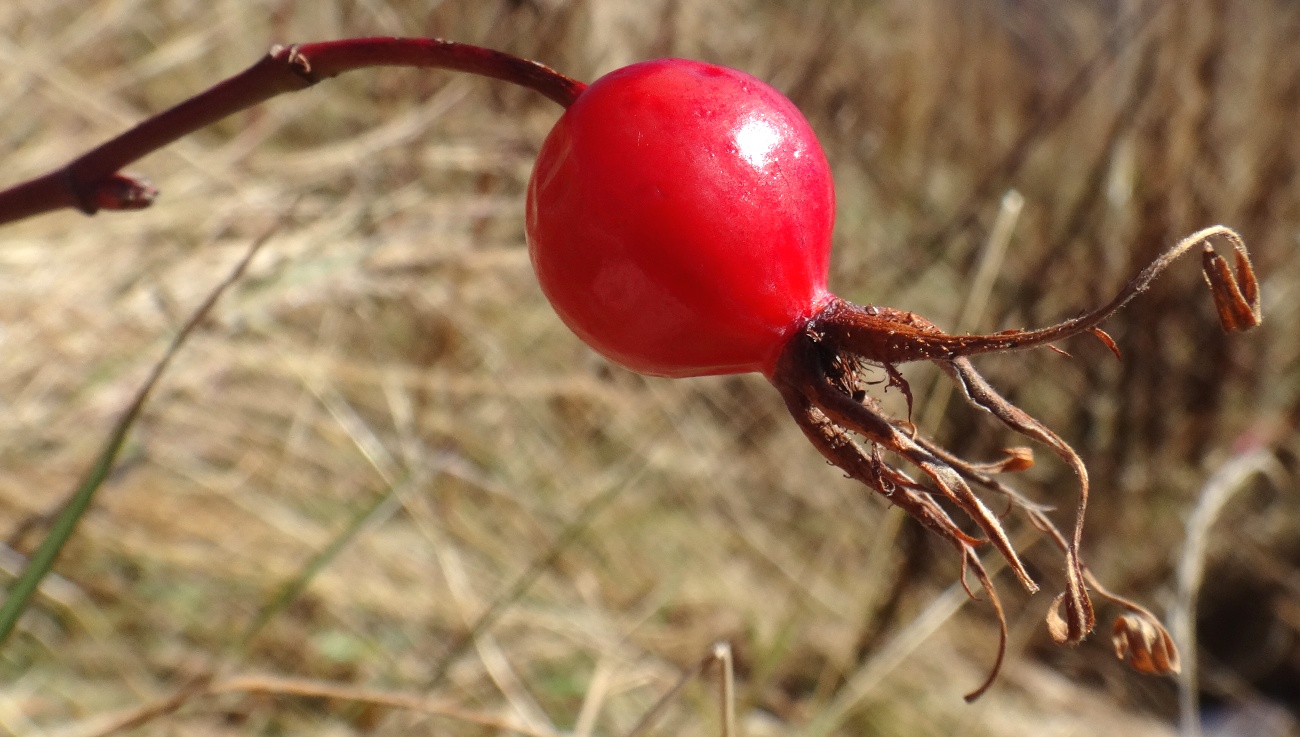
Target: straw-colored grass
pixel 390 354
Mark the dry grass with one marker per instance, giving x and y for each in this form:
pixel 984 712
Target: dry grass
pixel 391 354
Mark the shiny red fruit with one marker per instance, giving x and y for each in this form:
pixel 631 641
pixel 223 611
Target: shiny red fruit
pixel 679 219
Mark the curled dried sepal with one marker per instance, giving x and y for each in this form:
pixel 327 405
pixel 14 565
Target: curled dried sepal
pixel 1056 624
pixel 1142 642
pixel 887 336
pixel 1078 619
pixel 1236 298
pixel 1139 638
pixel 820 374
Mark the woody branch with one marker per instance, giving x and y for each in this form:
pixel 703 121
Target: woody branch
pixel 94 181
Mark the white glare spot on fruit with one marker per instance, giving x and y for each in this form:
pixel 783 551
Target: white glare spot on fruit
pixel 755 140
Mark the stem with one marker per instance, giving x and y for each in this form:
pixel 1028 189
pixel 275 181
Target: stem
pixel 92 181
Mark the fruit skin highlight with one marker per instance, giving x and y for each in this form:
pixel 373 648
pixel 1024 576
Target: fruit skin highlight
pixel 679 219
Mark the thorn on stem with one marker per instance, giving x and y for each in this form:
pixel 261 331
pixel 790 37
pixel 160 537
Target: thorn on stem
pixel 119 192
pixel 295 60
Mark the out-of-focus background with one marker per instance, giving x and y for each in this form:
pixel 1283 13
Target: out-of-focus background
pixel 389 376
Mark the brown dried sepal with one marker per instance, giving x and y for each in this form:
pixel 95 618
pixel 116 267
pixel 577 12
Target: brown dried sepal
pixel 1071 617
pixel 1236 298
pixel 1107 341
pixel 822 376
pixel 1145 644
pixel 1014 460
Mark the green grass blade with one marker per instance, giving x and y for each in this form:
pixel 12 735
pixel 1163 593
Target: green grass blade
pixel 21 591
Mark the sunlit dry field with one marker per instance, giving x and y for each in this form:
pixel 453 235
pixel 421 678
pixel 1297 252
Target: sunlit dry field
pixel 383 477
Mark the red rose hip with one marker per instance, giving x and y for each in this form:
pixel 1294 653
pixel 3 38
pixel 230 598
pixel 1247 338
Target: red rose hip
pixel 679 219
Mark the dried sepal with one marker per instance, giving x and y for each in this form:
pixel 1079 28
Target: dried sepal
pixel 1056 624
pixel 1107 341
pixel 1071 617
pixel 1236 297
pixel 1142 642
pixel 971 561
pixel 821 376
pixel 1138 636
pixel 884 336
pixel 1014 460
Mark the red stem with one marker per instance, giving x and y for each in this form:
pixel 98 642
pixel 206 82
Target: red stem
pixel 93 181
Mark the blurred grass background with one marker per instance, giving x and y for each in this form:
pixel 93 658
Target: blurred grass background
pixel 390 358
